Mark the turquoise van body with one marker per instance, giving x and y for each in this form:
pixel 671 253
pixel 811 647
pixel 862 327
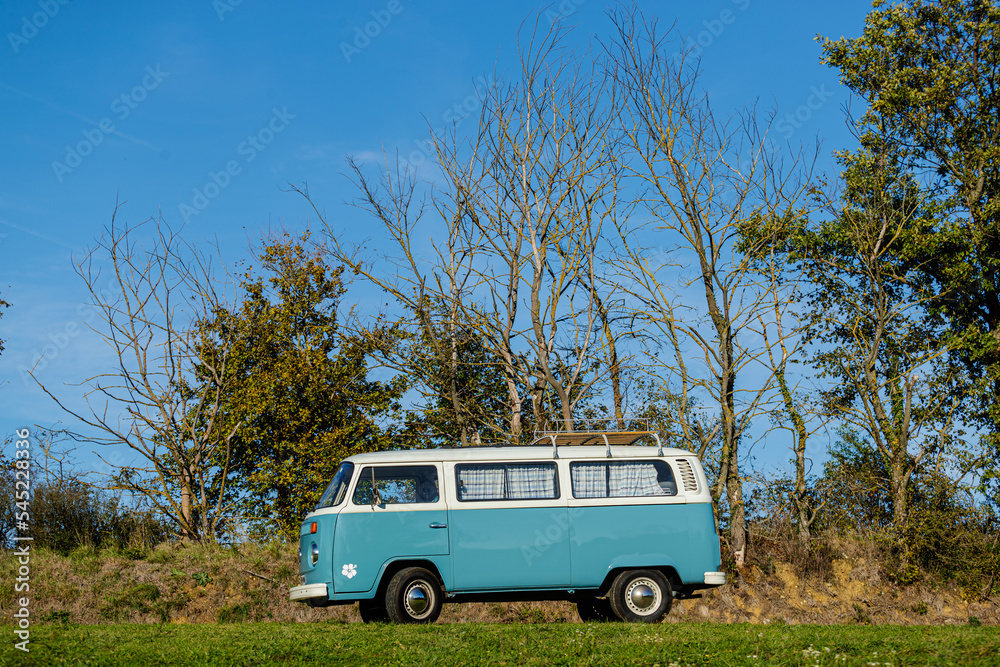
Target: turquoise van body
pixel 580 523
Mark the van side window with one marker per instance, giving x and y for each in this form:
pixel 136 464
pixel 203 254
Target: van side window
pixel 398 485
pixel 507 481
pixel 621 479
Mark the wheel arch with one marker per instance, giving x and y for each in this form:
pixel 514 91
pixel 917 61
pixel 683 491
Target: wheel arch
pixel 392 567
pixel 668 571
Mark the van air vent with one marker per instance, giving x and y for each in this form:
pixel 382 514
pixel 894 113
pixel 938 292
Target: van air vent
pixel 687 475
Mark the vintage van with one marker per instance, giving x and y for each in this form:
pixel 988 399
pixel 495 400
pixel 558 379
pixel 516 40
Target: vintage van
pixel 618 528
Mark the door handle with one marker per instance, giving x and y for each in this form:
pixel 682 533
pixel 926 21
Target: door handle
pixel 438 525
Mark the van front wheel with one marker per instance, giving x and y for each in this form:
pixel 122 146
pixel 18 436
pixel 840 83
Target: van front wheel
pixel 641 596
pixel 413 596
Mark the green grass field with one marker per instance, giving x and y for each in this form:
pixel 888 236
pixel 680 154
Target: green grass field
pixel 666 645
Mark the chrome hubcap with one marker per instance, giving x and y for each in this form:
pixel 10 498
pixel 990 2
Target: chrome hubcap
pixel 642 596
pixel 417 599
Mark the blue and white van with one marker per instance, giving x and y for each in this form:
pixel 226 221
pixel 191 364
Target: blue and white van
pixel 618 528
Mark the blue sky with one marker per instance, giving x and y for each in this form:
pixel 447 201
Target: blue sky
pixel 208 109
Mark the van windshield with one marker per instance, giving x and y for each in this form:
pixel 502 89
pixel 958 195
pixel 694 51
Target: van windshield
pixel 335 493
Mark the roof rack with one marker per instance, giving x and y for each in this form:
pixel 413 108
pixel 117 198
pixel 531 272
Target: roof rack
pixel 607 438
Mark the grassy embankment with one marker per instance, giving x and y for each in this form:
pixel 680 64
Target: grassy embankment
pixel 209 605
pixel 666 645
pixel 199 584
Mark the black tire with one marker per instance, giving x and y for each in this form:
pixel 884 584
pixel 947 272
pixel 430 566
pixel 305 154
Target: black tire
pixel 413 596
pixel 373 611
pixel 595 610
pixel 641 596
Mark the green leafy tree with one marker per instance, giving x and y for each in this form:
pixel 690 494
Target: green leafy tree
pixel 301 399
pixel 875 340
pixel 929 71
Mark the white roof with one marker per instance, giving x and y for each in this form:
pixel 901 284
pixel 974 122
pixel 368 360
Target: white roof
pixel 518 453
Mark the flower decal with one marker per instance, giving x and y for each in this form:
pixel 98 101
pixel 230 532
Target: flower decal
pixel 349 570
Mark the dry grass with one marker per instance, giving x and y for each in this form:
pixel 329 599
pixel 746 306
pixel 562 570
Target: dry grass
pixel 200 584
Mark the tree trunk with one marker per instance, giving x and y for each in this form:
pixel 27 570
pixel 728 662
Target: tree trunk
pixel 900 480
pixel 187 515
pixel 614 368
pixel 737 516
pixel 729 476
pixel 799 438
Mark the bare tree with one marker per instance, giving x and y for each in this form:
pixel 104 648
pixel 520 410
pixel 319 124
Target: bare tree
pixel 697 180
pixel 521 203
pixel 542 175
pixel 3 304
pixel 433 291
pixel 164 397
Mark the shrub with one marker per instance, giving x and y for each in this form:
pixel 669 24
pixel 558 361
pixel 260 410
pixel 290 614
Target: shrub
pixel 70 513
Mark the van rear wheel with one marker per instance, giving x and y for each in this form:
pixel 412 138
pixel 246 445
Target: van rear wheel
pixel 641 596
pixel 413 596
pixel 595 609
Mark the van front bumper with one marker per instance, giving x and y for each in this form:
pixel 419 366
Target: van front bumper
pixel 711 578
pixel 308 592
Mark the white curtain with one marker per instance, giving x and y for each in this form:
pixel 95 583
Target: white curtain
pixel 589 480
pixel 628 479
pixel 528 482
pixel 480 483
